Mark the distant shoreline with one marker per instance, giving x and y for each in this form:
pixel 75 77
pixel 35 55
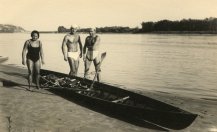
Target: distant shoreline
pixel 181 32
pixel 153 32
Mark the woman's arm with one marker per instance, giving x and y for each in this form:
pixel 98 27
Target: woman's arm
pixel 41 53
pixel 24 52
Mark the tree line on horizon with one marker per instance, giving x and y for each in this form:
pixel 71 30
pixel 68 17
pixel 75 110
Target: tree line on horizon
pixel 207 24
pixel 112 29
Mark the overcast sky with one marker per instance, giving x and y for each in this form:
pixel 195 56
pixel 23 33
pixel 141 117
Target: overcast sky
pixel 49 14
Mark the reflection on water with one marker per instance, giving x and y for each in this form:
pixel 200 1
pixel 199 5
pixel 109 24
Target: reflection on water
pixel 179 64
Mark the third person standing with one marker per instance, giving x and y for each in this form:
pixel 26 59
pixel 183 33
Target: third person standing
pixel 92 43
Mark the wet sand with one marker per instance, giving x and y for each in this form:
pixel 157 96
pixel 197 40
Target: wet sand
pixel 42 111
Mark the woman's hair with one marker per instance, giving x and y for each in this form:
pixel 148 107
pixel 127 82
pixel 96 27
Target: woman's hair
pixel 34 31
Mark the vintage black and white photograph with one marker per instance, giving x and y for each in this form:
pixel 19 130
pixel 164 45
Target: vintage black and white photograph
pixel 108 65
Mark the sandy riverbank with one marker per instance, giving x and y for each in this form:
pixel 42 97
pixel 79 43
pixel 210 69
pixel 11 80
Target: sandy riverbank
pixel 41 111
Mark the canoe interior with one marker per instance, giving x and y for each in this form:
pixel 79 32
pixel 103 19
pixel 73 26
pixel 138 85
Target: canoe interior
pixel 123 102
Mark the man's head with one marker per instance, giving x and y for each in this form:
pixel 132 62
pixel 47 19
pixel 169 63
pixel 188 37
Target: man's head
pixel 74 28
pixel 92 31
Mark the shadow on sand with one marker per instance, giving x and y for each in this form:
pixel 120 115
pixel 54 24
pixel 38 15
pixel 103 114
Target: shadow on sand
pixel 74 99
pixel 16 74
pixel 10 84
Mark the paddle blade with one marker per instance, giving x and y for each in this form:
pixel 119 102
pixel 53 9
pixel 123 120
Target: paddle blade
pixel 103 55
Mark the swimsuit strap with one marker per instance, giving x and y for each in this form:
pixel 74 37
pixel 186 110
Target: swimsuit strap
pixel 29 42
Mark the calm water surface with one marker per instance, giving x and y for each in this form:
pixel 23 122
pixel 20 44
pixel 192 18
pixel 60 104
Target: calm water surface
pixel 176 64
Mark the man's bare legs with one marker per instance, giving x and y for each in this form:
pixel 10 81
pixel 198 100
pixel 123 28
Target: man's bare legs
pixel 76 66
pixel 87 64
pixel 73 64
pixel 97 62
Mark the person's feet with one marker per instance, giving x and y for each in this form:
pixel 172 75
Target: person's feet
pixel 29 88
pixel 38 87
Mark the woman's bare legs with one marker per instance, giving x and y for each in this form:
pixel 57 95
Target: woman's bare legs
pixel 33 67
pixel 37 73
pixel 30 67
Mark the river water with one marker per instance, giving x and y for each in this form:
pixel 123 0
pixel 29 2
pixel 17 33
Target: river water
pixel 174 64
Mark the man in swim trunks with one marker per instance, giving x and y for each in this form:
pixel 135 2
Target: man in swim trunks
pixel 70 49
pixel 92 45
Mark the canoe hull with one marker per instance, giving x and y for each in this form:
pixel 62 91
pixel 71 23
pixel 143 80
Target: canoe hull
pixel 156 112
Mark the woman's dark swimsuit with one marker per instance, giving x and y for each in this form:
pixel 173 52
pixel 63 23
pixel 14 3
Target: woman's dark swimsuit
pixel 33 53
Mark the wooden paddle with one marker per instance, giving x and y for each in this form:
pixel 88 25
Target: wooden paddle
pixel 103 55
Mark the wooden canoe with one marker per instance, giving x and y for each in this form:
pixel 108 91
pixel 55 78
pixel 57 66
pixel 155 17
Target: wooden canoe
pixel 116 100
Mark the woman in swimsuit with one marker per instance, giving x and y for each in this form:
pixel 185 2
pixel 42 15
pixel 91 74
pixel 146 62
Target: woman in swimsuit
pixel 33 56
pixel 92 45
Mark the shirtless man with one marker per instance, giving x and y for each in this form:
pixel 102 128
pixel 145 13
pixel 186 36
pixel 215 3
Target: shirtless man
pixel 92 45
pixel 70 49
